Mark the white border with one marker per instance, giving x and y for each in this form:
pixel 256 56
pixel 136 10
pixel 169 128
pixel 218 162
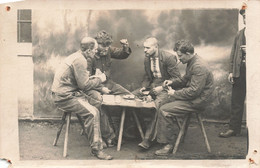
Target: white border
pixel 9 147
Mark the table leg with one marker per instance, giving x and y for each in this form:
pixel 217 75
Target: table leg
pixel 138 125
pixel 121 130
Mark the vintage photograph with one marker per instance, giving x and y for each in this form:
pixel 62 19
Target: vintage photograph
pixel 133 84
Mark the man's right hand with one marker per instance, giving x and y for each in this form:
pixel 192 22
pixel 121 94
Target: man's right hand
pixel 230 78
pixel 167 83
pixel 105 90
pixel 102 77
pixel 142 90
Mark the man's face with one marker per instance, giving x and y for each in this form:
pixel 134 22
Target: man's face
pixel 103 49
pixel 89 52
pixel 149 48
pixel 183 57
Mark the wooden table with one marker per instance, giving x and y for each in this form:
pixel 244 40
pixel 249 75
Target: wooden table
pixel 118 100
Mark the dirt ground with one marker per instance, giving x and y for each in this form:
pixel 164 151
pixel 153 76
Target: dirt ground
pixel 36 140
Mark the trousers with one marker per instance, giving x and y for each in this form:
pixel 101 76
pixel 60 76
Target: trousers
pixel 166 128
pixel 151 131
pixel 107 128
pixel 78 103
pixel 238 100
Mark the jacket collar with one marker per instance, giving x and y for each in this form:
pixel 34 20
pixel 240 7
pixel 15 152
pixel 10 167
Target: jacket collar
pixel 193 59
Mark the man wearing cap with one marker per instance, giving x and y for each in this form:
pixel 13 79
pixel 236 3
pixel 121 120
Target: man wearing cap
pixel 70 82
pixel 159 66
pixel 237 77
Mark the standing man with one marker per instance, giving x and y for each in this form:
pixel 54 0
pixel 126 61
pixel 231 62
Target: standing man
pixel 237 77
pixel 70 82
pixel 159 66
pixel 194 91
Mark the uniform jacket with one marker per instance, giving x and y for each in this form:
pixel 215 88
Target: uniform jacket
pixel 72 76
pixel 236 54
pixel 197 83
pixel 104 62
pixel 168 68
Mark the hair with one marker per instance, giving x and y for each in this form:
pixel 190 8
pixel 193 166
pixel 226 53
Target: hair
pixel 88 43
pixel 242 11
pixel 184 46
pixel 177 45
pixel 103 37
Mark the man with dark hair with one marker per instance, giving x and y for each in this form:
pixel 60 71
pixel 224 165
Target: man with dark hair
pixel 70 82
pixel 101 63
pixel 186 94
pixel 102 60
pixel 159 66
pixel 237 77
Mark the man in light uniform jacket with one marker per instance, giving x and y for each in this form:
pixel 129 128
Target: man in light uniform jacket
pixel 70 82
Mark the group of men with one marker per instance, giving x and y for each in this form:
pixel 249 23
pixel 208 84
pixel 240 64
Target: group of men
pixel 85 75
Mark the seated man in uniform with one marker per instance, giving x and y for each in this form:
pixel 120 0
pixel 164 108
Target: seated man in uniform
pixel 70 82
pixel 194 91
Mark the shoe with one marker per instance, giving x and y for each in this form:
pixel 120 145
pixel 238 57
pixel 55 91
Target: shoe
pixel 145 144
pixel 101 155
pixel 166 150
pixel 104 144
pixel 227 134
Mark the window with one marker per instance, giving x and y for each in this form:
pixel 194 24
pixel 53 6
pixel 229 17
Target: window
pixel 24 26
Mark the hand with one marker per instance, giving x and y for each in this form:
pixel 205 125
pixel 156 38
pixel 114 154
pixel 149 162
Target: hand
pixel 142 90
pixel 230 78
pixel 157 90
pixel 98 72
pixel 167 83
pixel 171 91
pixel 148 98
pixel 105 90
pixel 124 43
pixel 102 76
pixel 243 48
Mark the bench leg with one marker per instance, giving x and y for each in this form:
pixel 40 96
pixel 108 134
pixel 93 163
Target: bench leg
pixel 138 125
pixel 59 131
pixel 178 122
pixel 83 132
pixel 66 135
pixel 121 130
pixel 203 132
pixel 180 135
pixel 186 128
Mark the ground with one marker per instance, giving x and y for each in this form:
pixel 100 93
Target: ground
pixel 36 140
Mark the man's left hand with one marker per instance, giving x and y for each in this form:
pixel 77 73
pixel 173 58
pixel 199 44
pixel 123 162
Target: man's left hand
pixel 170 91
pixel 157 90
